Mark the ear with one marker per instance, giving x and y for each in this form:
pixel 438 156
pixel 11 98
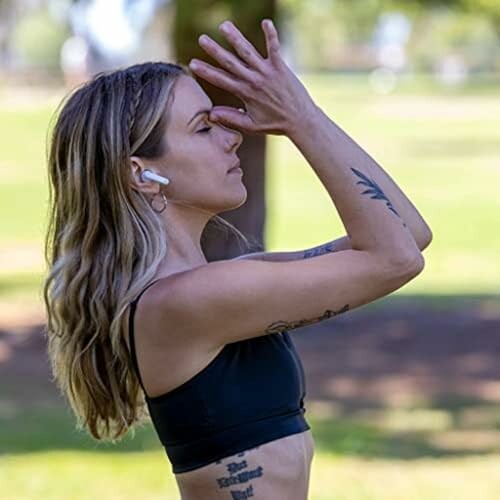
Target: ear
pixel 138 166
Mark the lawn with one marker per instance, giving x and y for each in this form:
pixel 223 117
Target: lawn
pixel 442 147
pixel 353 461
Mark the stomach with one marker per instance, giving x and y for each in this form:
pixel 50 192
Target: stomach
pixel 278 469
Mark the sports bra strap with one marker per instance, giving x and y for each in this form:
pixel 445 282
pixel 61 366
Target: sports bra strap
pixel 133 354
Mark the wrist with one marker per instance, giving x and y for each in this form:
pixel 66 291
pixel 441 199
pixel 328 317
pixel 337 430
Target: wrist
pixel 303 122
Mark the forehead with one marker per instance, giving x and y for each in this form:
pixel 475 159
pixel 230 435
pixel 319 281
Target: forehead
pixel 188 98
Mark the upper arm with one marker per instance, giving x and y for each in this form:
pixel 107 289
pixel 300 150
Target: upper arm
pixel 226 301
pixel 337 245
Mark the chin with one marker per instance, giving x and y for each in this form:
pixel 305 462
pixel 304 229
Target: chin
pixel 236 202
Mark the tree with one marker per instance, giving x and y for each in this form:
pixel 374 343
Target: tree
pixel 193 17
pixel 491 8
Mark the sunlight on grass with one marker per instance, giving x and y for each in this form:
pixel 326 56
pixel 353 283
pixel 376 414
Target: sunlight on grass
pixel 346 478
pixel 420 452
pixel 146 476
pixel 440 147
pixel 88 475
pixel 445 160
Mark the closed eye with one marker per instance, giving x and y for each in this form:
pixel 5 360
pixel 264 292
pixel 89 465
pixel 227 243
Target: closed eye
pixel 206 129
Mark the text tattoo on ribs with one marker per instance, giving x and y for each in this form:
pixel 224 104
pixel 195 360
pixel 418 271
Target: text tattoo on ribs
pixel 280 326
pixel 375 190
pixel 239 477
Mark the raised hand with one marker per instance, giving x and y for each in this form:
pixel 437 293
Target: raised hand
pixel 274 97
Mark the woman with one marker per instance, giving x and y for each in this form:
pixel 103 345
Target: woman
pixel 139 163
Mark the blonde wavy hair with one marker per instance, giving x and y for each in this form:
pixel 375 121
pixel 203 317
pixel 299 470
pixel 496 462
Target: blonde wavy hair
pixel 104 241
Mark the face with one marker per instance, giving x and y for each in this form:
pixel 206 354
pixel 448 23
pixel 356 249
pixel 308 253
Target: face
pixel 201 153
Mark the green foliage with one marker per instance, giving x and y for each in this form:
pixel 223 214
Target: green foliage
pixel 329 33
pixel 39 39
pixel 490 8
pixel 323 28
pixel 358 17
pixel 447 32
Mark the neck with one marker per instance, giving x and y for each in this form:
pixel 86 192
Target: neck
pixel 184 227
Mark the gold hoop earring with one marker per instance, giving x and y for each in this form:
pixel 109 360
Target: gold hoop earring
pixel 165 202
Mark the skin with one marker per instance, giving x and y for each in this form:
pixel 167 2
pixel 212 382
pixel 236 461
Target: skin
pixel 197 165
pixel 200 186
pixel 207 156
pixel 280 468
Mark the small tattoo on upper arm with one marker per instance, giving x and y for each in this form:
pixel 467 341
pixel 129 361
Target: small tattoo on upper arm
pixel 375 190
pixel 321 250
pixel 280 326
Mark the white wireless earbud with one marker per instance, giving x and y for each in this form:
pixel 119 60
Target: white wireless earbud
pixel 151 176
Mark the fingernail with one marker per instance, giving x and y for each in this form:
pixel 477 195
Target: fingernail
pixel 224 27
pixel 193 64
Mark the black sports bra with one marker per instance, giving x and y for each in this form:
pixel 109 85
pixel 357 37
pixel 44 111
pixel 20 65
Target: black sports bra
pixel 251 393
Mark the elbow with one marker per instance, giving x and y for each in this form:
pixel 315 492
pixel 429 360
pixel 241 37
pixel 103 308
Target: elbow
pixel 415 265
pixel 408 271
pixel 400 268
pixel 426 240
pixel 409 265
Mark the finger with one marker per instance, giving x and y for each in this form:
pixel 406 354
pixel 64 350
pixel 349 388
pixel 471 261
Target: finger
pixel 243 47
pixel 227 60
pixel 232 117
pixel 272 40
pixel 215 76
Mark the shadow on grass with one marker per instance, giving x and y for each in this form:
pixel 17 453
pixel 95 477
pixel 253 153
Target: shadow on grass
pixel 357 436
pixel 54 429
pixel 403 378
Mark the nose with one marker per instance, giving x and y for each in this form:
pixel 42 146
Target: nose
pixel 232 138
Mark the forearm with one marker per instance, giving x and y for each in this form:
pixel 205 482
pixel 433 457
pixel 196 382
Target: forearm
pixel 405 208
pixel 346 170
pixel 417 226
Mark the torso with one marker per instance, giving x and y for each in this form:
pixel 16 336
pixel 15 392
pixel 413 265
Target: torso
pixel 278 469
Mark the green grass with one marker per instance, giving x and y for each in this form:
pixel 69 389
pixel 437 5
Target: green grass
pixel 440 146
pixel 441 149
pixel 74 475
pixel 391 453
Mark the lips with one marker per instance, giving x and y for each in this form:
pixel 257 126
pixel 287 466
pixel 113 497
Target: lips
pixel 235 166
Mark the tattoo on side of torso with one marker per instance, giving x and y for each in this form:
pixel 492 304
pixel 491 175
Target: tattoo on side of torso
pixel 238 477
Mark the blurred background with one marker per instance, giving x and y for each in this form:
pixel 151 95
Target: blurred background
pixel 402 394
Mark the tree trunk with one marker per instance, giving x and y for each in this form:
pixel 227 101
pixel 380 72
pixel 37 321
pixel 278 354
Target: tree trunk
pixel 192 18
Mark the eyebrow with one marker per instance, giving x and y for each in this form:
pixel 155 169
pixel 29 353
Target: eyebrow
pixel 200 112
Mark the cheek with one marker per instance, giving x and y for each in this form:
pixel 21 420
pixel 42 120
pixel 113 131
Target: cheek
pixel 196 183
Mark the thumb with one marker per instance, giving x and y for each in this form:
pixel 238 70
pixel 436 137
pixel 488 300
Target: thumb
pixel 231 117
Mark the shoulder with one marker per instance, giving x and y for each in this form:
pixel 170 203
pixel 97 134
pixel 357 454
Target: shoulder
pixel 152 309
pixel 167 354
